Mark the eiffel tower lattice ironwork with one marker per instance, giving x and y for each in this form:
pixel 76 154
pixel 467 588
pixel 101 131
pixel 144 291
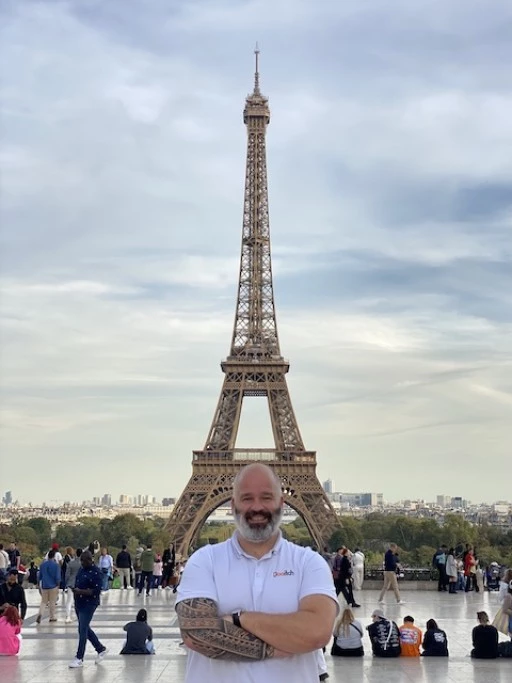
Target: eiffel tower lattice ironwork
pixel 254 367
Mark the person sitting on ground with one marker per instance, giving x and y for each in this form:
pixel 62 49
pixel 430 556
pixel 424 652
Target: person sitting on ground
pixel 139 636
pixel 485 638
pixel 348 636
pixel 435 642
pixel 10 629
pixel 384 635
pixel 411 638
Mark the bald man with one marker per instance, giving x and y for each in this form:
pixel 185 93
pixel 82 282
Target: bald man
pixel 256 607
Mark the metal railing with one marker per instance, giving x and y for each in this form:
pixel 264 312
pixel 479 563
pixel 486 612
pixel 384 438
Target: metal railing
pixel 409 574
pixel 255 454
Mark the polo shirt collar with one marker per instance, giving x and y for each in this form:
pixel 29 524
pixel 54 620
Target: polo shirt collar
pixel 240 552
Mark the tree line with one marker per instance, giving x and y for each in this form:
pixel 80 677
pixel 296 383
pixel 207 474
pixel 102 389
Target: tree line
pixel 417 538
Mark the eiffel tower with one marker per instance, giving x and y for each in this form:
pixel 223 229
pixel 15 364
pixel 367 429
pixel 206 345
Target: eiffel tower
pixel 254 367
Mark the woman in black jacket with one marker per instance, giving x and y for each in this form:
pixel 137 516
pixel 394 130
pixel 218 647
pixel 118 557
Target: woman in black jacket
pixel 344 581
pixel 485 638
pixel 435 642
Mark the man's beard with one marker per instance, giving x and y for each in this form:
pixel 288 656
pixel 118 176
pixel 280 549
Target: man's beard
pixel 262 531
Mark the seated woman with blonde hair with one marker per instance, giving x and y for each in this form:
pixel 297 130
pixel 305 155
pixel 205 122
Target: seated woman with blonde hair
pixel 10 628
pixel 348 636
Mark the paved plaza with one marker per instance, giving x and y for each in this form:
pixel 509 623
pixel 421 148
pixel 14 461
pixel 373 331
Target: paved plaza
pixel 48 648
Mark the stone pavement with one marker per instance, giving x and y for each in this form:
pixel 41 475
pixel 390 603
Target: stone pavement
pixel 48 648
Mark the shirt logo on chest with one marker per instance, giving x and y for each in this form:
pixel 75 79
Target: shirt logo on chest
pixel 284 572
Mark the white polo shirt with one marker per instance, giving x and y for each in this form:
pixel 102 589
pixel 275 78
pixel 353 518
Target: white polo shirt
pixel 276 583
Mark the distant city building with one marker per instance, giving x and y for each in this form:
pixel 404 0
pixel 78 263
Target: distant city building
pixel 457 502
pixel 444 501
pixel 106 500
pixel 501 508
pixel 7 499
pixel 329 486
pixel 124 499
pixel 168 501
pixel 362 499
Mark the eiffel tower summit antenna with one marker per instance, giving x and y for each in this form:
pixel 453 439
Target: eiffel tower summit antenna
pixel 254 367
pixel 256 71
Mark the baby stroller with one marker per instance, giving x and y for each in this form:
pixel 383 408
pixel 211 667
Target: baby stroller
pixel 493 577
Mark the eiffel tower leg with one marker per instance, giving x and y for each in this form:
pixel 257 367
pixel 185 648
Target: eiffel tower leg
pixel 225 423
pixel 206 490
pixel 284 423
pixel 304 493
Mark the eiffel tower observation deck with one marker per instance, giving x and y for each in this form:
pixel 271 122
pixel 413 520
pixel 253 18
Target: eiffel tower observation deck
pixel 254 367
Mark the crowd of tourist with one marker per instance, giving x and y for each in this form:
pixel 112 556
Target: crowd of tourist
pixel 387 639
pixel 84 574
pixel 390 640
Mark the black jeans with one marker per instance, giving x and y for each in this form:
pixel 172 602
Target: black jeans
pixel 471 581
pixel 145 578
pixel 337 651
pixel 346 590
pixel 167 574
pixel 443 579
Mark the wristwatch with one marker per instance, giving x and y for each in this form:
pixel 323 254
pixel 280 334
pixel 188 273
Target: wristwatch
pixel 236 618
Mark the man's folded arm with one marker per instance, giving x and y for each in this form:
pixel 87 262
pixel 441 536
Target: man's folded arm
pixel 204 631
pixel 308 629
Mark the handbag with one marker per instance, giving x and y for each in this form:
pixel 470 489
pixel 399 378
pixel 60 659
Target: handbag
pixel 500 621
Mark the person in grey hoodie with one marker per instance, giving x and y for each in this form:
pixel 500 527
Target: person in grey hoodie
pixel 71 571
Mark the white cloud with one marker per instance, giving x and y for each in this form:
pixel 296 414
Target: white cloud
pixel 122 186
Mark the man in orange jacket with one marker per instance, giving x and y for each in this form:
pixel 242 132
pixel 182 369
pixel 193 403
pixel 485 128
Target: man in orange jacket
pixel 411 638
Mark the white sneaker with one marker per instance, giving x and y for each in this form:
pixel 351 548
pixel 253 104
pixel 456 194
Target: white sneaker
pixel 382 602
pixel 130 588
pixel 68 620
pixel 168 588
pixel 76 663
pixel 100 656
pixel 401 602
pixel 159 588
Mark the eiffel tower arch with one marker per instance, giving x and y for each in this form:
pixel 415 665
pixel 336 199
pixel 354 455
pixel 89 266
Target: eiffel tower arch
pixel 254 367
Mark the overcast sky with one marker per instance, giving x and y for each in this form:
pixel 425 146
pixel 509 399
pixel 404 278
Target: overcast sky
pixel 390 169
